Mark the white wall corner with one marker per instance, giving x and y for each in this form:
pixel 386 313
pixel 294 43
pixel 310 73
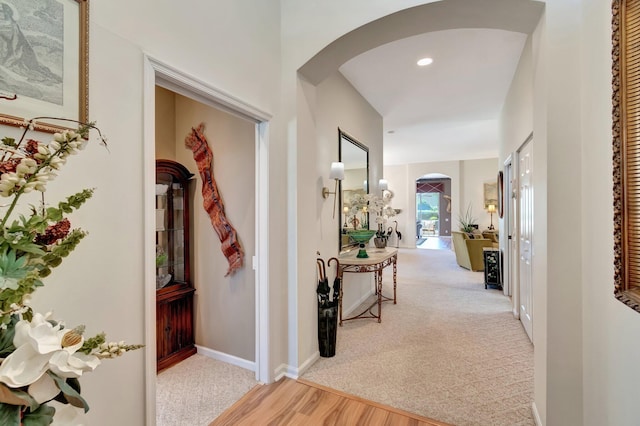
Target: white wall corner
pixel 285 370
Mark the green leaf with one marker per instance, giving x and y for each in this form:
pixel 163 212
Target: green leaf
pixel 26 398
pixel 6 338
pixel 8 141
pixel 54 215
pixel 9 414
pixel 70 394
pixel 43 416
pixel 29 248
pixel 12 270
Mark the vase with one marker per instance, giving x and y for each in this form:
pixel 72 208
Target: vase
pixel 361 236
pixel 380 242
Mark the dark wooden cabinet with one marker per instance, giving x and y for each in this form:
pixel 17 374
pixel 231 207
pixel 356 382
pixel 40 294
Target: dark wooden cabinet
pixel 492 266
pixel 174 289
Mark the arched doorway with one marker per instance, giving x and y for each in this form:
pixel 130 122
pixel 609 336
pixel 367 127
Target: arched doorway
pixel 433 211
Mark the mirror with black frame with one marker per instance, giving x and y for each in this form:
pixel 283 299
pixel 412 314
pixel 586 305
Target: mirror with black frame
pixel 355 157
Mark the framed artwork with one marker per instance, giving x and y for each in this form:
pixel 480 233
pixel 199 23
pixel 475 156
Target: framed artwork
pixel 490 194
pixel 44 53
pixel 500 181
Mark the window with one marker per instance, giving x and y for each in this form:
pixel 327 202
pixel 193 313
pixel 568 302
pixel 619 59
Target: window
pixel 626 150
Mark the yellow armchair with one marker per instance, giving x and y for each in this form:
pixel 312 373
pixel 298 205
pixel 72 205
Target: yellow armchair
pixel 469 251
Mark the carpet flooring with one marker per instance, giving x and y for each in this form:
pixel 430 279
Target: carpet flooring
pixel 449 350
pixel 199 389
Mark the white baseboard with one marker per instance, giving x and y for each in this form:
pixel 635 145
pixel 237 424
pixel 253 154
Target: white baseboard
pixel 285 370
pixel 536 415
pixel 308 363
pixel 229 359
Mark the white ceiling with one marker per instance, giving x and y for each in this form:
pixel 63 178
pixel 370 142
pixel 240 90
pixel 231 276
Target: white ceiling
pixel 447 110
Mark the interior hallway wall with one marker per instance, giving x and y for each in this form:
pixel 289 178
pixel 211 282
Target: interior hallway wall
pixel 609 352
pixel 332 104
pixel 224 305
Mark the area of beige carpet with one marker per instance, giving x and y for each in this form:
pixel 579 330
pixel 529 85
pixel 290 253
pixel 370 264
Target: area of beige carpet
pixel 198 389
pixel 449 350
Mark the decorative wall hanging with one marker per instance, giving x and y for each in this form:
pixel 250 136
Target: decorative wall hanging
pixel 213 203
pixel 500 180
pixel 45 48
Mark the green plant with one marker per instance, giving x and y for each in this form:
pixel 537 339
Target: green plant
pixel 41 360
pixel 466 220
pixel 161 256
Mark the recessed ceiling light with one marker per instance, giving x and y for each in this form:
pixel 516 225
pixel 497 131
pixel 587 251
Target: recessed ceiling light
pixel 424 61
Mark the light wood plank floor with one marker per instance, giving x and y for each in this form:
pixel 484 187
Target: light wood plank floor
pixel 299 402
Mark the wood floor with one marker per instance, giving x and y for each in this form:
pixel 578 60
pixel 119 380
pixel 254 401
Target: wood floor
pixel 298 402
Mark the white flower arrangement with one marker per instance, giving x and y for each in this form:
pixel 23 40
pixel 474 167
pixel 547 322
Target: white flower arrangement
pixel 40 359
pixel 380 206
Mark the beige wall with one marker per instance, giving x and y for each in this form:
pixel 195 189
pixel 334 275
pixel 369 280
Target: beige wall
pixel 588 360
pixel 609 348
pixel 467 178
pixel 333 103
pixel 101 284
pixel 474 174
pixel 165 124
pixel 224 306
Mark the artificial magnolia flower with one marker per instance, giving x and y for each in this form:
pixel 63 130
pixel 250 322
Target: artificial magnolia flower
pixel 72 364
pixel 42 346
pixel 44 389
pixel 23 367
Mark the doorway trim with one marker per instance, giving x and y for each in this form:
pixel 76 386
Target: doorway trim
pixel 508 220
pixel 161 74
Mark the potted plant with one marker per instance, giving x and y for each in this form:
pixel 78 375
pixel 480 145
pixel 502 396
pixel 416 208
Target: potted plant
pixel 466 221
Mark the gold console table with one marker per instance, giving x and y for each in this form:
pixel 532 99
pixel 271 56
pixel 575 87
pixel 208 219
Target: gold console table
pixel 378 260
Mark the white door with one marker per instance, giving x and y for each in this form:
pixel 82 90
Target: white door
pixel 525 221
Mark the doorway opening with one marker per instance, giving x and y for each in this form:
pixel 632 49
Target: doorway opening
pixel 169 78
pixel 433 212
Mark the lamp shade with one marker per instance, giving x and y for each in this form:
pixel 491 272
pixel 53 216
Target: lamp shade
pixel 383 185
pixel 491 208
pixel 337 171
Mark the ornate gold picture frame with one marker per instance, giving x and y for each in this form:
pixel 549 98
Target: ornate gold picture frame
pixel 45 73
pixel 626 151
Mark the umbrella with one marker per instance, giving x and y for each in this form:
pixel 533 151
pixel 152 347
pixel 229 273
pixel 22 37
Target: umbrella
pixel 337 282
pixel 323 289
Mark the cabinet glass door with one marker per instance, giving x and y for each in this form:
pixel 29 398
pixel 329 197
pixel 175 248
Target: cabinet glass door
pixel 170 241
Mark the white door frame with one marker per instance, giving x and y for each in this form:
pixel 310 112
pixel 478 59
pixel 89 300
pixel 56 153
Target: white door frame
pixel 507 223
pixel 158 73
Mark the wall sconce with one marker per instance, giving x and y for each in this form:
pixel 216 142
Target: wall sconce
pixel 491 209
pixel 337 173
pixel 383 185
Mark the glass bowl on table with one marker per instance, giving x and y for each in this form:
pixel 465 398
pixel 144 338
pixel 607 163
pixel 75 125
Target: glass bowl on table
pixel 362 237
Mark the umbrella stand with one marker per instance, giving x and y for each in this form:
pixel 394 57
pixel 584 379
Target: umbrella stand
pixel 327 309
